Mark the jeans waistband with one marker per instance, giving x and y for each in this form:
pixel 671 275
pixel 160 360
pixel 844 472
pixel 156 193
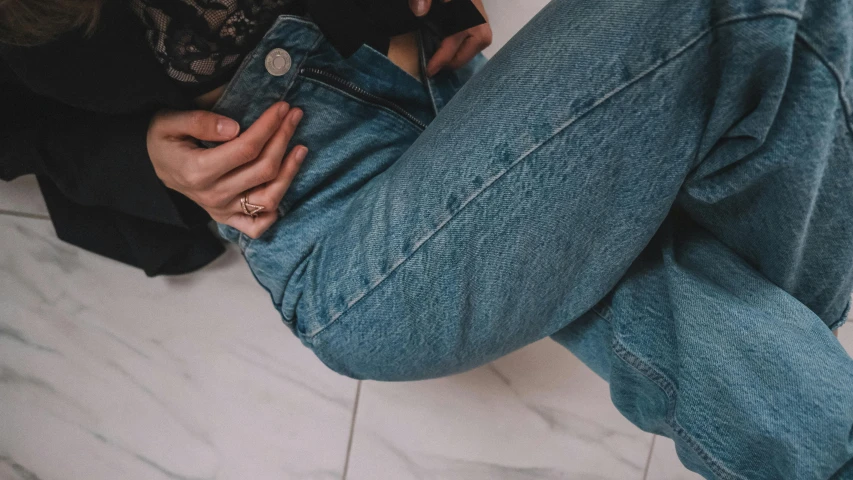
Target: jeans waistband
pixel 297 43
pixel 296 37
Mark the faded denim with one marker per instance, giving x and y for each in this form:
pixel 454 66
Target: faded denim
pixel 665 187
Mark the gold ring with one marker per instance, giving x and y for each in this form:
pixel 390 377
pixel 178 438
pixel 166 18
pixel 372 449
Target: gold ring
pixel 250 209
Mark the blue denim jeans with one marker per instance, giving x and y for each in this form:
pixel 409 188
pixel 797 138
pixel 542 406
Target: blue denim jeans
pixel 664 187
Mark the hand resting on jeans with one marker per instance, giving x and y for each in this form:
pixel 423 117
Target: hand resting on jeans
pixel 251 163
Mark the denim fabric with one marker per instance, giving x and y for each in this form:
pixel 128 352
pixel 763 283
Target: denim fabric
pixel 664 187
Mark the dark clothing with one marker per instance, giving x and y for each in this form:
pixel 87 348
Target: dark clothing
pixel 200 43
pixel 76 115
pixel 348 24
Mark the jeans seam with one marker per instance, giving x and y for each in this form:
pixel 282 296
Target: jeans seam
pixel 603 312
pixel 668 388
pixel 299 270
pixel 623 87
pixel 244 241
pixel 804 36
pixel 276 303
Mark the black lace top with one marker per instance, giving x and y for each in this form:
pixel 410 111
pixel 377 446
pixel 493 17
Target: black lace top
pixel 200 42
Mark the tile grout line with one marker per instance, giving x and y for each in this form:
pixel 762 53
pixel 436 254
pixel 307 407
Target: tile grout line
pixel 649 458
pixel 351 429
pixel 13 213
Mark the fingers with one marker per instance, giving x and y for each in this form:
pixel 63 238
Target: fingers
pixel 198 124
pixel 254 227
pixel 266 167
pixel 470 48
pixel 420 7
pixel 245 148
pixel 268 195
pixel 458 49
pixel 446 51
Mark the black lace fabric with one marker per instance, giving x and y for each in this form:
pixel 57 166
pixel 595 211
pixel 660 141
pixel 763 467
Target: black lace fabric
pixel 199 42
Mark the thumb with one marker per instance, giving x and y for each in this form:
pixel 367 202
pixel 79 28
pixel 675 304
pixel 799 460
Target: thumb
pixel 198 124
pixel 420 7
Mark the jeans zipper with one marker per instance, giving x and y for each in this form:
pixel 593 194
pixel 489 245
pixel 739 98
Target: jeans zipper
pixel 355 90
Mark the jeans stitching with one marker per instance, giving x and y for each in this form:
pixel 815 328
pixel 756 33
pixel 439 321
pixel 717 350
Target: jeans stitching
pixel 623 87
pixel 668 387
pixel 298 271
pixel 805 38
pixel 244 240
pixel 390 113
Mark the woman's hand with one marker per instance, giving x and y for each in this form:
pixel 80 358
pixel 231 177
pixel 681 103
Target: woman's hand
pixel 252 163
pixel 458 49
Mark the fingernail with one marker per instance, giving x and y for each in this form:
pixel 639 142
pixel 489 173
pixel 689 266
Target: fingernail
pixel 282 109
pixel 431 71
pixel 296 116
pixel 300 153
pixel 227 128
pixel 420 7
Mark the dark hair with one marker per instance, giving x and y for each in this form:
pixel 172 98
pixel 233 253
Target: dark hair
pixel 34 22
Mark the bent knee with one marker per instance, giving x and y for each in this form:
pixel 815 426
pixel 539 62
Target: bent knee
pixel 397 352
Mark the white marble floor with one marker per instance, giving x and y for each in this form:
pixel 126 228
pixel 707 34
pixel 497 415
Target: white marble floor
pixel 106 374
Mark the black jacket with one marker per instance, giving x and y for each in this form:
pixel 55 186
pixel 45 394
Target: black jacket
pixel 76 114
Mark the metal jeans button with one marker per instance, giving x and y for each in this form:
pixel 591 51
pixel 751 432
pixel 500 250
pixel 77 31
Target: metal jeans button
pixel 278 62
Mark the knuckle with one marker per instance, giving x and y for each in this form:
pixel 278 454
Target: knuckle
pixel 267 171
pixel 193 179
pixel 271 171
pixel 196 119
pixel 247 152
pixel 207 199
pixel 267 199
pixel 218 199
pixel 288 131
pixel 184 179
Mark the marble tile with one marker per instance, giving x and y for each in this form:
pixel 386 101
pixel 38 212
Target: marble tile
pixel 536 414
pixel 507 17
pixel 106 374
pixel 665 465
pixel 22 195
